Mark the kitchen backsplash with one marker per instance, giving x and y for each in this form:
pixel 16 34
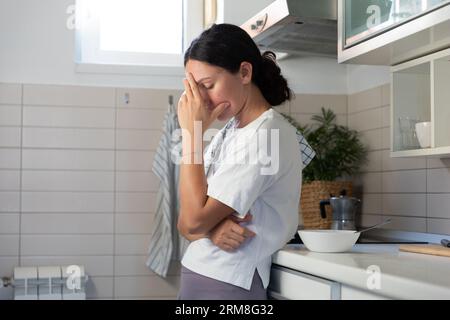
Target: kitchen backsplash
pixel 415 191
pixel 76 185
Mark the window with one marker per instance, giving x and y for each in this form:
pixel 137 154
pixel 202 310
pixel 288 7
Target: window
pixel 136 32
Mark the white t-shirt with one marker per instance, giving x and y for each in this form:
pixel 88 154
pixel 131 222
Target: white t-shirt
pixel 267 186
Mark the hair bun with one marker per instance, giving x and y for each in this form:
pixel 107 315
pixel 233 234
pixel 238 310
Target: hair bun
pixel 270 80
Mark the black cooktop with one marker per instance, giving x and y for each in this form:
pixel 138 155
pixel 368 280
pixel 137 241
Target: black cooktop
pixel 297 240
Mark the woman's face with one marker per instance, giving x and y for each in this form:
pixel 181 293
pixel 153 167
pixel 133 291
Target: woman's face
pixel 218 85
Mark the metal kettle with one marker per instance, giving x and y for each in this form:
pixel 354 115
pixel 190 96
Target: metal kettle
pixel 344 211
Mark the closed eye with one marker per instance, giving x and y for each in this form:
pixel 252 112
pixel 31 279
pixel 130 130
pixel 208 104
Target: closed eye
pixel 207 87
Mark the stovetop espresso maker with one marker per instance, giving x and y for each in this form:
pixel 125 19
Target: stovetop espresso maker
pixel 344 211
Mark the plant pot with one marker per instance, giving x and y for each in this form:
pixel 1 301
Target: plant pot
pixel 311 195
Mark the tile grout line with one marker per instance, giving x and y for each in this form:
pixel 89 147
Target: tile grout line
pixel 114 197
pixel 426 196
pixel 20 175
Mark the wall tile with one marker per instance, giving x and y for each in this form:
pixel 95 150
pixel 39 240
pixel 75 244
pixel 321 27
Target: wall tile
pixel 386 138
pixel 9 158
pixel 146 98
pixel 10 136
pixel 406 224
pixel 386 94
pixel 367 120
pixel 140 119
pixel 137 139
pixel 147 286
pixel 68 117
pixel 370 182
pixel 58 95
pixel 313 103
pixel 68 159
pixel 9 201
pixel 386 116
pixel 134 223
pixel 10 115
pixel 100 287
pixel 38 223
pixel 372 139
pixel 438 226
pixel 391 164
pixel 305 118
pixel 10 180
pixel 9 245
pixel 137 181
pixel 404 181
pixel 135 202
pixel 371 203
pixel 9 223
pixel 135 244
pixel 63 245
pixel 365 100
pixel 67 202
pixel 438 180
pixel 10 93
pixel 68 138
pixel 134 160
pixel 373 163
pixel 438 205
pixel 405 204
pixel 67 181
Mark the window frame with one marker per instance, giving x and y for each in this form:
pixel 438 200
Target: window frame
pixel 87 53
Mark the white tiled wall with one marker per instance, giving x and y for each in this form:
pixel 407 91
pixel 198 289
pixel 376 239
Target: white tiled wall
pixel 304 106
pixel 414 192
pixel 76 185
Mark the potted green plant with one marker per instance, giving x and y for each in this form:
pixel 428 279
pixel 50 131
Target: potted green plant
pixel 339 154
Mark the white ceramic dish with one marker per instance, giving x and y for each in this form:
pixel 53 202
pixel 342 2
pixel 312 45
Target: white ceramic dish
pixel 329 240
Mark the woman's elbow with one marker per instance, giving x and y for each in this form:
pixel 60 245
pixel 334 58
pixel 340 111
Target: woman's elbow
pixel 187 226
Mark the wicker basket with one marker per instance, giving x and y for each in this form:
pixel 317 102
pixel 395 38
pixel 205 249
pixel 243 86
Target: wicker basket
pixel 312 193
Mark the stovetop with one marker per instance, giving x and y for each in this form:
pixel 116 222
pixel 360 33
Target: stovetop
pixel 297 240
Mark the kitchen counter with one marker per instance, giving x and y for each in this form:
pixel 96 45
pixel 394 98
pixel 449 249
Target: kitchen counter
pixel 403 275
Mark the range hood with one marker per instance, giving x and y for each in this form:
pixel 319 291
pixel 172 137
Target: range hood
pixel 300 27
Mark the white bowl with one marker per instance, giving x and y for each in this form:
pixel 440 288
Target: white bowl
pixel 423 131
pixel 329 240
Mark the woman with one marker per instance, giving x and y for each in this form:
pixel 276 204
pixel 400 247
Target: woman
pixel 236 212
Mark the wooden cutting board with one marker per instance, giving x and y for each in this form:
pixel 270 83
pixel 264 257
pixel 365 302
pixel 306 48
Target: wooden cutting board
pixel 433 249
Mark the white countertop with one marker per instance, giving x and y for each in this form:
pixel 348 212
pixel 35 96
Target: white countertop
pixel 403 275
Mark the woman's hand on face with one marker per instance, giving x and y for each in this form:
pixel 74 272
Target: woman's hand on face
pixel 228 235
pixel 192 107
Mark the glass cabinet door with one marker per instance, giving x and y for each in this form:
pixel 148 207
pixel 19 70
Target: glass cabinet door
pixel 366 18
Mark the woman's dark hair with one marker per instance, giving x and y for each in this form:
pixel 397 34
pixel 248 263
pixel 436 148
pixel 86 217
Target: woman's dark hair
pixel 227 46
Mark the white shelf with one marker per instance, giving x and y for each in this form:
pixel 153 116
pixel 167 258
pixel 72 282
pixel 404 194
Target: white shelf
pixel 420 91
pixel 440 152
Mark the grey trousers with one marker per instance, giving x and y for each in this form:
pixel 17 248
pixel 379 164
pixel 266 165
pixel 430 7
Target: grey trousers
pixel 194 286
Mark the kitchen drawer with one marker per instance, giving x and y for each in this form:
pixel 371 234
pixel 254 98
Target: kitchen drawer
pixel 293 285
pixel 350 293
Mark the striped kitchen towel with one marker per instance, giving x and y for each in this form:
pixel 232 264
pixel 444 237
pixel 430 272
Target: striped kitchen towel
pixel 166 244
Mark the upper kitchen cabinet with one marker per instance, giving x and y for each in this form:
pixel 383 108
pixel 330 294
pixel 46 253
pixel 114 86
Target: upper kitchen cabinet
pixel 420 102
pixel 389 32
